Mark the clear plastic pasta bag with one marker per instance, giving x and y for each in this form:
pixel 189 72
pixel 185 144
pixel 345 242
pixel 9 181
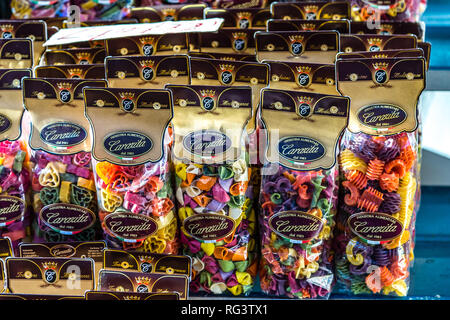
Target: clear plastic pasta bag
pixel 299 192
pixel 63 190
pixel 132 169
pixel 378 175
pixel 213 189
pixel 394 10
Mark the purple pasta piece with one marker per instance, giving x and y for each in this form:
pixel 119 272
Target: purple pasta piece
pixel 270 187
pixel 362 268
pixel 283 185
pixel 389 150
pixel 364 147
pixel 381 256
pixel 391 203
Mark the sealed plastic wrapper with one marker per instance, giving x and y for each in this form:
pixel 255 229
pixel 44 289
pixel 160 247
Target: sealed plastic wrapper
pixel 379 175
pixel 63 189
pixel 387 10
pixel 213 192
pixel 131 150
pixel 15 180
pixel 299 192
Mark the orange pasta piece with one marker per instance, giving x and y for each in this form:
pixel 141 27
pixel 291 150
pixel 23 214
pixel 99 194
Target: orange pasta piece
pixel 374 169
pixel 358 178
pixel 389 182
pixel 397 166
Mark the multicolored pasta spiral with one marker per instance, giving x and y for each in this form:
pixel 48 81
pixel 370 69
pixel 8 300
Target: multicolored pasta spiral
pixel 381 179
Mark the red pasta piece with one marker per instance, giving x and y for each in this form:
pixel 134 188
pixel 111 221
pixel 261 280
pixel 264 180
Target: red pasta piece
pixel 408 156
pixel 386 276
pixel 358 178
pixel 389 181
pixel 352 198
pixel 370 200
pixel 375 169
pixel 397 166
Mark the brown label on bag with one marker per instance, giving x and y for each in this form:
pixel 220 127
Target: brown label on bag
pixel 384 93
pixel 74 56
pixel 342 26
pixel 88 249
pixel 298 144
pixel 312 77
pixel 135 296
pixel 57 114
pixel 16 54
pixel 67 219
pixel 147 72
pixel 48 276
pixel 130 227
pixel 231 40
pixel 146 262
pixel 72 71
pixel 314 10
pixel 5 249
pixel 296 226
pixel 131 141
pixel 374 43
pixel 11 210
pixel 248 18
pixel 298 46
pixel 375 227
pixel 148 45
pixel 226 111
pixel 121 281
pixel 209 227
pixel 11 100
pixel 171 12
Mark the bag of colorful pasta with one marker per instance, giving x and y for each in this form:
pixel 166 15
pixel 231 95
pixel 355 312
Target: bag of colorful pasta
pixel 63 189
pixel 130 152
pixel 213 192
pixel 299 190
pixel 14 159
pixel 379 174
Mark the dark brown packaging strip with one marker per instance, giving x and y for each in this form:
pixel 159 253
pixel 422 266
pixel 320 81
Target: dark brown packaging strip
pixel 249 18
pixel 168 13
pixel 10 79
pixel 130 296
pixel 388 28
pixel 311 10
pixel 366 42
pixel 72 71
pixel 224 56
pixel 342 26
pixel 74 56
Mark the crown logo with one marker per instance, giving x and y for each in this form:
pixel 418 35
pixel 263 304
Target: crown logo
pixel 126 95
pixel 143 280
pixel 75 72
pixel 305 99
pixel 244 15
pixel 49 265
pixel 380 56
pixel 146 259
pixel 374 41
pixel 64 85
pixel 311 8
pixel 226 67
pixel 296 38
pixel 83 55
pixel 131 298
pixel 6 27
pixel 303 69
pixel 380 65
pixel 147 40
pixel 239 35
pixel 208 93
pixel 147 63
pixel 386 28
pixel 308 26
pixel 168 11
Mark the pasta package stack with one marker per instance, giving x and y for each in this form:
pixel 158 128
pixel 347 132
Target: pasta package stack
pixel 299 191
pixel 63 189
pixel 213 189
pixel 131 167
pixel 379 174
pixel 14 159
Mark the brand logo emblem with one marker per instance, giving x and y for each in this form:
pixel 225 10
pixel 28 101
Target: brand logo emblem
pixel 300 149
pixel 63 134
pixel 146 267
pixel 84 61
pixel 67 219
pixel 62 250
pixel 127 105
pixel 130 226
pixel 7 35
pixel 65 95
pixel 303 79
pixel 209 227
pixel 381 115
pixel 374 48
pixel 5 123
pixel 127 144
pixel 208 103
pixel 148 49
pixel 304 109
pixel 239 44
pixel 297 48
pixel 148 73
pixel 50 275
pixel 142 288
pixel 11 209
pixel 375 227
pixel 206 142
pixel 381 76
pixel 244 23
pixel 296 226
pixel 311 16
pixel 227 77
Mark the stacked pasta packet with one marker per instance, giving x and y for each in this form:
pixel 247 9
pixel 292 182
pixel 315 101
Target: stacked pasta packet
pixel 284 149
